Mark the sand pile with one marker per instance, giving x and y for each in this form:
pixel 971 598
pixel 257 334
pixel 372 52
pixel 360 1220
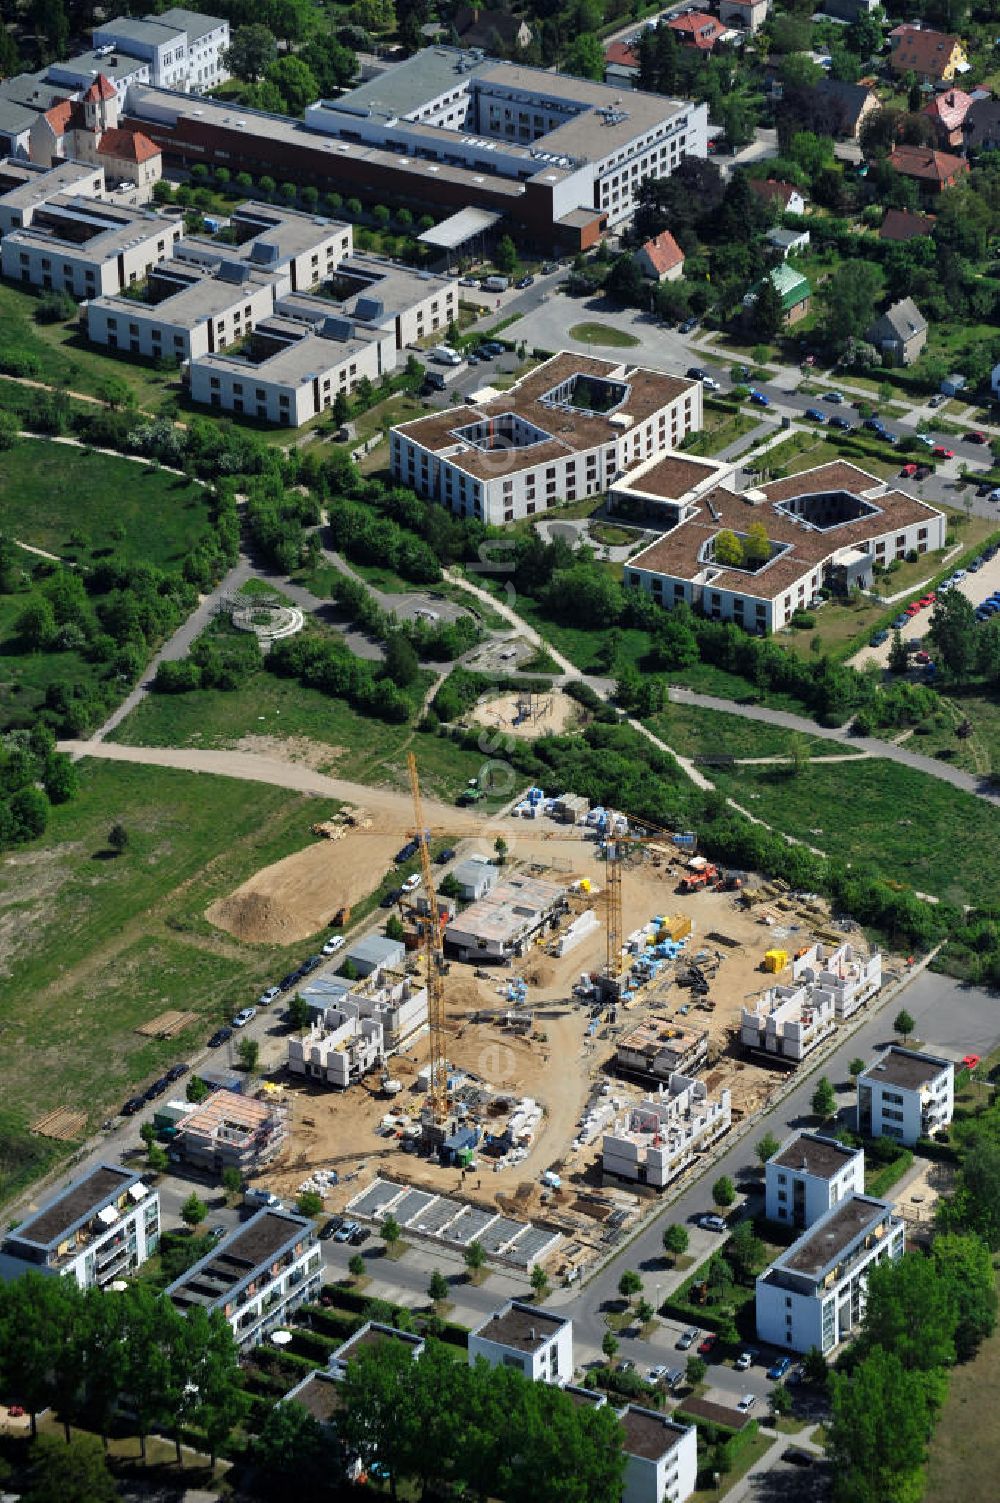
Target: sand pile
pixel 255 917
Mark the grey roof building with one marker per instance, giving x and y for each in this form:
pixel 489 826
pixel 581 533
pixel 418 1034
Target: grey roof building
pixel 475 878
pixel 900 333
pixel 375 951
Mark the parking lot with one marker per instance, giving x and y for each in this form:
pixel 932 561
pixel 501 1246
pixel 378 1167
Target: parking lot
pixel 975 586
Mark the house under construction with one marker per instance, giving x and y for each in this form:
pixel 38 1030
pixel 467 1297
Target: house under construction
pixel 227 1130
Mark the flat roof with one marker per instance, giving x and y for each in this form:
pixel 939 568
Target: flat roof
pixel 458 228
pixel 215 1279
pixel 151 31
pixel 414 82
pixel 831 1237
pixel 672 476
pixel 34 90
pixel 590 1398
pixel 77 1203
pixel 39 184
pixel 521 1326
pixel 194 23
pixel 375 1334
pixel 504 911
pixel 115 228
pixel 114 65
pixel 564 430
pixel 199 296
pixel 907 1068
pixel 811 1153
pixel 654 1034
pixel 320 1394
pixel 305 357
pixel 678 552
pixel 649 1434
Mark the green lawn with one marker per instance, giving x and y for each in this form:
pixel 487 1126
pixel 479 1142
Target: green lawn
pixel 963 1457
pixel 720 429
pixel 696 732
pixel 887 819
pixel 597 333
pixel 25 676
pixel 69 501
pixel 61 354
pixel 359 747
pixel 92 946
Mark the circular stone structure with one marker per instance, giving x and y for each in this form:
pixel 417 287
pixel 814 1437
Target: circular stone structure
pixel 267 616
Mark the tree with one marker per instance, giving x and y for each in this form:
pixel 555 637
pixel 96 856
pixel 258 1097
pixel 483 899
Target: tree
pixel 781 1400
pixel 695 1371
pixel 856 1067
pixel 248 1051
pixel 72 1472
pixel 975 1206
pixel 964 1265
pixel 953 631
pixel 437 1289
pixel 745 1252
pixel 232 1180
pixel 196 1090
pixel 899 660
pixel 401 662
pixel 299 1013
pixel 157 1160
pixel 356 1266
pixel 723 1192
pixel 877 1437
pixel 766 313
pixel 505 255
pixel 60 779
pixel 644 1312
pixel 539 1281
pixel 824 1099
pixel 903 1024
pixel 728 549
pixel 675 1239
pixel 500 847
pixel 767 1148
pixel 814 1367
pixel 250 52
pixel 292 1442
pixel 118 839
pixel 309 1203
pixel 849 300
pixel 629 1284
pixel 609 1346
pixel 193 1211
pixel 585 58
pixel 394 927
pixel 911 1312
pixel 756 545
pixel 390 1232
pixel 475 1257
pixel 36 625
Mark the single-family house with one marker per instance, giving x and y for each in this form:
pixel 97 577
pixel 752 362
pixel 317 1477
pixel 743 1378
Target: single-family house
pixel 661 258
pixel 539 1342
pixel 899 334
pixel 698 30
pixel 748 15
pixel 793 289
pixel 785 195
pixel 981 126
pixel 498 32
pixel 947 113
pixel 475 877
pixel 902 225
pixel 932 171
pixel 788 242
pixel 934 56
pixel 850 105
pixel 621 64
pixel 906 1094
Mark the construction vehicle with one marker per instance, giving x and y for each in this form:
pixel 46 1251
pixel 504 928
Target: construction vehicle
pixel 437 1093
pixel 341 918
pixel 703 876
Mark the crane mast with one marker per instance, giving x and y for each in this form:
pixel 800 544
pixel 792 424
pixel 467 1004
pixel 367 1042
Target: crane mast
pixel 437 1096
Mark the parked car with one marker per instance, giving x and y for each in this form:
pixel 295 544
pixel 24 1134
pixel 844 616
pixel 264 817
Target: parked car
pixel 814 414
pixel 875 423
pixel 926 600
pixel 940 452
pixel 746 1403
pixel 707 1343
pixel 157 1088
pixel 219 1037
pixel 656 1374
pixel 331 1228
pixel 877 638
pixel 779 1369
pixel 688 325
pixel 687 1338
pixel 266 998
pixel 360 1234
pixel 258 1196
pixel 844 424
pixel 923 471
pixel 712 1223
pixel 287 982
pixel 412 882
pixel 925 439
pixel 443 857
pixel 797 1457
pixel 216 1233
pixel 833 396
pixel 922 657
pixel 392 896
pixel 760 398
pixel 176 1071
pixel 522 282
pixel 970 1061
pixel 907 472
pixel 434 381
pixel 133 1104
pixel 938 400
pixel 628 1366
pixel 548 267
pixel 333 945
pixel 244 1016
pixel 899 621
pixel 975 438
pixel 343 1232
pixel 744 1360
pixel 710 383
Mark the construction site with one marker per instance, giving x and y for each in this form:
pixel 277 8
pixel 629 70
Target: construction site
pixel 564 1084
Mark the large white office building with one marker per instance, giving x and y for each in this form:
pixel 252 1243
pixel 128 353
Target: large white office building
pixel 813 1295
pixel 906 1094
pixel 182 49
pixel 86 247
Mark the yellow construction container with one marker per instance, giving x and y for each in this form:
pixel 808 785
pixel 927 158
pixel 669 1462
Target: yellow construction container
pixel 677 927
pixel 584 884
pixel 775 960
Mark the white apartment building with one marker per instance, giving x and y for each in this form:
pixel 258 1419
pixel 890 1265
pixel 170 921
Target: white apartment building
pixel 256 1276
pixel 851 976
pixel 299 250
pixel 103 1226
pixel 564 431
pixel 182 48
pixel 86 247
pixel 190 311
pixel 120 68
pixel 906 1095
pixel 788 1021
pixel 661 1457
pixel 808 1176
pixel 814 1294
pixel 339 1048
pixel 537 1342
pixel 398 300
pixel 653 1142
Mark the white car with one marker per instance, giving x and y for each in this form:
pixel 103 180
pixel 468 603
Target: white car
pixel 746 1403
pixel 743 1361
pixel 925 439
pixel 245 1016
pixel 710 383
pixel 333 945
pixel 412 882
pixel 266 998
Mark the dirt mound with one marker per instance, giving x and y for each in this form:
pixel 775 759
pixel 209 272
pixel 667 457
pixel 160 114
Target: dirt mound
pixel 298 896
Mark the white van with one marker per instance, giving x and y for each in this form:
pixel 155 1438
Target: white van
pixel 445 355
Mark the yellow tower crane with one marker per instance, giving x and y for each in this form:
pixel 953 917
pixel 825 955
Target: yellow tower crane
pixel 437 1096
pixel 617 847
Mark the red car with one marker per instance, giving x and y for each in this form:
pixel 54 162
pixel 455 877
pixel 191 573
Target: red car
pixel 928 599
pixel 16 1411
pixel 922 657
pixel 913 608
pixel 706 1344
pixel 908 471
pixel 940 452
pixel 970 1061
pixel 975 438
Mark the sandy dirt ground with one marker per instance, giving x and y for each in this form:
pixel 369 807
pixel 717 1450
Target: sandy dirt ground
pixel 551 712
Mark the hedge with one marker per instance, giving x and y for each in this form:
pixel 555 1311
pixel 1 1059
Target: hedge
pixel 883 1179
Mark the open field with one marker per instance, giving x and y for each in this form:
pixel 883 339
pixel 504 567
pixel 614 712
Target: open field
pixel 964 1450
pixel 77 503
pixel 887 819
pixel 695 732
pixel 101 943
pixel 280 709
